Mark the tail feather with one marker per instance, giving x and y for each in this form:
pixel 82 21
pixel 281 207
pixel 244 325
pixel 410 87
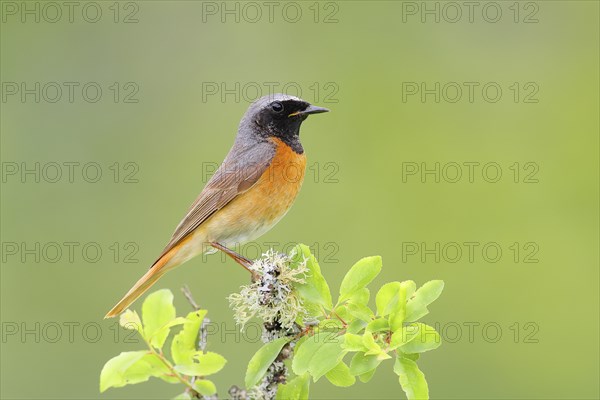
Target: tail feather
pixel 144 283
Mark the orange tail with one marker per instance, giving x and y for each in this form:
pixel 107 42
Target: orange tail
pixel 158 269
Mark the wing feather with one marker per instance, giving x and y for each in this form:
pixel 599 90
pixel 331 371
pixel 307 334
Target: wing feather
pixel 241 169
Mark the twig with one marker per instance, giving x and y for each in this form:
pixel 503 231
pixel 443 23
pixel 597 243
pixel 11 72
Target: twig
pixel 202 336
pixel 277 372
pixel 188 295
pixel 171 368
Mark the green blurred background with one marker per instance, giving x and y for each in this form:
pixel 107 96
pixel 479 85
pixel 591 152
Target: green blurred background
pixel 513 329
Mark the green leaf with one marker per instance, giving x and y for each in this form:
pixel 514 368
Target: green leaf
pixel 315 289
pixel 328 356
pixel 404 335
pixel 359 276
pixel 203 364
pixel 157 311
pixel 356 326
pixel 426 339
pixel 131 320
pixel 410 287
pixel 360 311
pixel 361 363
pixel 378 325
pixel 391 300
pixel 333 324
pixel 169 378
pixel 306 350
pixel 184 343
pixel 416 307
pixel 164 331
pixel 373 348
pixel 342 312
pixel 398 311
pixel 366 377
pixel 210 362
pixel 130 367
pixel 258 365
pixel 156 367
pixel 295 389
pixel 360 297
pixel 183 396
pixel 387 297
pixel 353 342
pixel 411 379
pixel 205 387
pixel 369 342
pixel 340 375
pixel 114 371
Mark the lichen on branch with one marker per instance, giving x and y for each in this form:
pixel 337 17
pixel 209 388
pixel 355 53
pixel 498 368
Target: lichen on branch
pixel 271 297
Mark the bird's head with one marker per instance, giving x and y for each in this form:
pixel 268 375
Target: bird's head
pixel 280 116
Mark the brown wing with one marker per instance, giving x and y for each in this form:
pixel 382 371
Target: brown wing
pixel 241 169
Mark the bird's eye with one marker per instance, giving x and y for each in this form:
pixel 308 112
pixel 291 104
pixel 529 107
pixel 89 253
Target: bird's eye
pixel 277 106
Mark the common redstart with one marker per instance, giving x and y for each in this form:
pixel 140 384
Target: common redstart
pixel 250 192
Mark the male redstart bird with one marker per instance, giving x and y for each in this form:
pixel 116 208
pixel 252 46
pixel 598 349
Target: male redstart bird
pixel 250 192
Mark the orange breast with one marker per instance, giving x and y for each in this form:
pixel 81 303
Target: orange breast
pixel 257 210
pixel 281 182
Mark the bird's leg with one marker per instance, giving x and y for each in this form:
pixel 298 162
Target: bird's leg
pixel 238 258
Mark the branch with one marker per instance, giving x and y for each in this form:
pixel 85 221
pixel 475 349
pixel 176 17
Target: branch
pixel 272 299
pixel 202 335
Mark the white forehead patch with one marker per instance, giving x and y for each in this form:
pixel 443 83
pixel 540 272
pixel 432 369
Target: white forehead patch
pixel 263 101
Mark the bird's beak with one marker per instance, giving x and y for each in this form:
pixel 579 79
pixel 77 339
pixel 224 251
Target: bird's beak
pixel 310 110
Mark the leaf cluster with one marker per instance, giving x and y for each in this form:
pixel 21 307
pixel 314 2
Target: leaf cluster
pixel 344 342
pixel 187 363
pixel 349 339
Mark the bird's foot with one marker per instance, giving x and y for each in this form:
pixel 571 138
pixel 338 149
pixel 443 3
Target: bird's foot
pixel 238 258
